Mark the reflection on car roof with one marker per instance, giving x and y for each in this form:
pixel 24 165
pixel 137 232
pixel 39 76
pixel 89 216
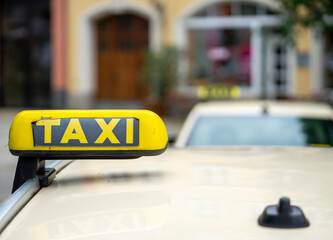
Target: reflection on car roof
pixel 288 108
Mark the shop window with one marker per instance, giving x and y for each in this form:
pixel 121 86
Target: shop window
pixel 220 56
pixel 234 9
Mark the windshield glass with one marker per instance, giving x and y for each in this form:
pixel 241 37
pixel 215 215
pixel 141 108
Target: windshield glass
pixel 260 131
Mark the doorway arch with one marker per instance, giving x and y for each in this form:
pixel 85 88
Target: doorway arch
pixel 87 65
pixel 122 41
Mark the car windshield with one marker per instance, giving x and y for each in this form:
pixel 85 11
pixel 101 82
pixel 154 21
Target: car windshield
pixel 260 131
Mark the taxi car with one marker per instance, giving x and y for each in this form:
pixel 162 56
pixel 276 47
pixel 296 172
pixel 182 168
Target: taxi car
pixel 185 193
pixel 258 123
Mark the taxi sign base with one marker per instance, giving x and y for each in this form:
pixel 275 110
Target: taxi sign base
pixel 32 167
pixel 120 154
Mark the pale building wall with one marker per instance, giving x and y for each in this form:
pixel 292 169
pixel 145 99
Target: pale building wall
pixel 171 10
pixel 303 74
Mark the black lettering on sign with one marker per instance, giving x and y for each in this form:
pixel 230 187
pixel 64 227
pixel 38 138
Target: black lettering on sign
pixel 86 132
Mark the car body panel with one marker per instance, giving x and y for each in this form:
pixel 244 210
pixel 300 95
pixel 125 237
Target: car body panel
pixel 193 193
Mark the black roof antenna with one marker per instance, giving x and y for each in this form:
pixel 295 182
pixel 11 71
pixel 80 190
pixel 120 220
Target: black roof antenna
pixel 265 108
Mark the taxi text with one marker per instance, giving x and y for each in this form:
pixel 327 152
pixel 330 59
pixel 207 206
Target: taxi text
pixel 71 132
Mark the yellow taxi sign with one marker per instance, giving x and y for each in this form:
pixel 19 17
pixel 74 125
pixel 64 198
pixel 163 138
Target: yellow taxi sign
pixel 218 91
pixel 87 134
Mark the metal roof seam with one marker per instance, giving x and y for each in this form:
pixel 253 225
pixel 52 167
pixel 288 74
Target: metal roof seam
pixel 13 204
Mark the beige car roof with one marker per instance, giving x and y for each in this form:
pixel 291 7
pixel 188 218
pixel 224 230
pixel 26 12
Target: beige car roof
pixel 215 193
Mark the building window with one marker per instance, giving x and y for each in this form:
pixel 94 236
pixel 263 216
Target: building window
pixel 221 46
pixel 234 9
pixel 26 53
pixel 220 56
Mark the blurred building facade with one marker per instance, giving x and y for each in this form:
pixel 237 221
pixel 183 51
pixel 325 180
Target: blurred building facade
pixel 98 49
pixel 25 48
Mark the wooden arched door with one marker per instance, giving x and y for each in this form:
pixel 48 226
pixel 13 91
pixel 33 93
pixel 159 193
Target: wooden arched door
pixel 122 41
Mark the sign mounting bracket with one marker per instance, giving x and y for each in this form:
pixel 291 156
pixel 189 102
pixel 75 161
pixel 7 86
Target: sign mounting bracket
pixel 32 167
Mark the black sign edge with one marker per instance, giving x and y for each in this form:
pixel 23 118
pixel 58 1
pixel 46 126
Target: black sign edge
pixel 86 154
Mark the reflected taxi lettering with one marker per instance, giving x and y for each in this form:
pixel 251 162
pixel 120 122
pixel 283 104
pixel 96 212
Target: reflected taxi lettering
pixel 94 132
